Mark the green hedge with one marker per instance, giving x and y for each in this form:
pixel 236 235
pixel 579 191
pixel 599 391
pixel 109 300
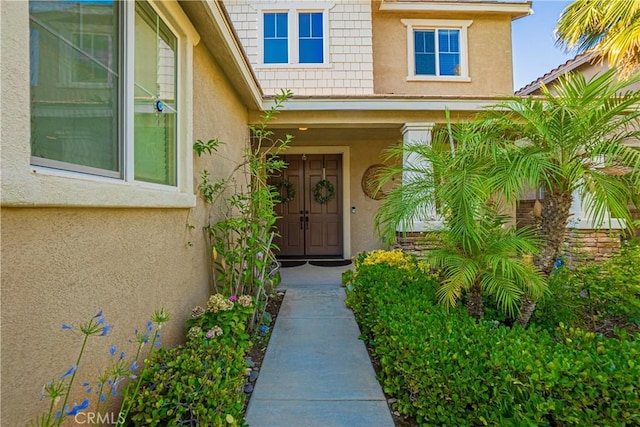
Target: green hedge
pixel 444 369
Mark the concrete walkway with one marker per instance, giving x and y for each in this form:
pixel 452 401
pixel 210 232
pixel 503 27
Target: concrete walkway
pixel 316 371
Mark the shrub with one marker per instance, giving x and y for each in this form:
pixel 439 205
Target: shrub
pixel 196 384
pixel 446 369
pixel 596 296
pixel 200 383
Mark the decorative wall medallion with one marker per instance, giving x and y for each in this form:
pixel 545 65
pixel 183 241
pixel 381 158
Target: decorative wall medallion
pixel 371 181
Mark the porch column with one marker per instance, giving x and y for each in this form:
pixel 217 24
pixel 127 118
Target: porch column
pixel 419 132
pixel 587 239
pixel 579 219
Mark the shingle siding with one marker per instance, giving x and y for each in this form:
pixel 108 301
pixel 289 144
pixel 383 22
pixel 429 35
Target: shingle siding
pixel 350 64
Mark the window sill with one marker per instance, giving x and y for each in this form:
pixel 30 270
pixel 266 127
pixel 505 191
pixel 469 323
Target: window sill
pixel 444 79
pixel 44 187
pixel 293 66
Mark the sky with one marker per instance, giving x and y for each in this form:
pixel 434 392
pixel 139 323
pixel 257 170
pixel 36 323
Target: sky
pixel 534 50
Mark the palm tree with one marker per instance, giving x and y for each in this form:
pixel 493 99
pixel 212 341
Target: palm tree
pixel 610 27
pixel 479 254
pixel 571 140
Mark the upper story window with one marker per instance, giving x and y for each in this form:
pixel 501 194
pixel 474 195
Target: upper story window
pixel 437 50
pixel 294 36
pixel 276 38
pixel 311 42
pixel 104 90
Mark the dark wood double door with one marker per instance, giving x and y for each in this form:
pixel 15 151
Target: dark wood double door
pixel 307 228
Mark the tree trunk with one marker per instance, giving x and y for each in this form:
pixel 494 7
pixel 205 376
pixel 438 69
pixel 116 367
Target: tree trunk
pixel 475 306
pixel 555 214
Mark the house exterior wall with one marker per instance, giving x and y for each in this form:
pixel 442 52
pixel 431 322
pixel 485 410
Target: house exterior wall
pixel 63 264
pixel 349 69
pixel 489 55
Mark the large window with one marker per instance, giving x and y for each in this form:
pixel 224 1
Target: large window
pixel 103 90
pixel 437 50
pixel 294 36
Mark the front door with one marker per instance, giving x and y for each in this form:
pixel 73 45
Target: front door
pixel 310 226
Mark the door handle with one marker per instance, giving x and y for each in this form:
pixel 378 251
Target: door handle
pixel 301 223
pixel 306 222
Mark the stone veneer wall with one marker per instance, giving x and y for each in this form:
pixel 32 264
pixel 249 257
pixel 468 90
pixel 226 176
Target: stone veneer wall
pixel 588 244
pixel 524 213
pixel 417 243
pixel 591 244
pixel 350 58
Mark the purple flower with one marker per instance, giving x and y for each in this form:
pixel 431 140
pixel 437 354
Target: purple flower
pixel 134 366
pixel 121 355
pixel 233 298
pixel 112 350
pixel 583 293
pixel 106 329
pixel 66 326
pixel 71 370
pixel 99 314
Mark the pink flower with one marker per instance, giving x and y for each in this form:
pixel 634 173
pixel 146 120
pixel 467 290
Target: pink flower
pixel 214 332
pixel 233 298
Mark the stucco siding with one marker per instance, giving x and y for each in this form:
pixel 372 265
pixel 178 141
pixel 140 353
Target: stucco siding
pixel 61 265
pixel 489 56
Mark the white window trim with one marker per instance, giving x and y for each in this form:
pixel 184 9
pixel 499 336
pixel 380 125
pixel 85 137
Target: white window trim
pixel 292 10
pixel 437 24
pixel 26 185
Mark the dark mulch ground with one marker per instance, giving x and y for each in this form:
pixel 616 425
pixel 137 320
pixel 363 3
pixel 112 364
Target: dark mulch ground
pixel 255 355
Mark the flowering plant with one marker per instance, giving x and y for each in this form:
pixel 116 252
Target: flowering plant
pixel 224 317
pixel 395 258
pixel 120 371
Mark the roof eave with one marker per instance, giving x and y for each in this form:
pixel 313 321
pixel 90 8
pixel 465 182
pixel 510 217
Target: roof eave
pixel 515 9
pixel 214 25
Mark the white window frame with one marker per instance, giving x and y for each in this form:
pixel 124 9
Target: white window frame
pixel 437 24
pixel 49 186
pixel 293 10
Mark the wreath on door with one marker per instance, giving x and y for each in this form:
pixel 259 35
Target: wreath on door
pixel 289 191
pixel 324 192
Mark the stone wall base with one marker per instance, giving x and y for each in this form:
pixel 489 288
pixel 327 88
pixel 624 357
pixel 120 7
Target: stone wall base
pixel 583 244
pixel 586 244
pixel 417 243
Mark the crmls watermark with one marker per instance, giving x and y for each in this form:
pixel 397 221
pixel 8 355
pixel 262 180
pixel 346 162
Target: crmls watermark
pixel 93 418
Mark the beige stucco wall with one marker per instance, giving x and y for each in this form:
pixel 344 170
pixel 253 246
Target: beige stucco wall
pixel 61 265
pixel 490 57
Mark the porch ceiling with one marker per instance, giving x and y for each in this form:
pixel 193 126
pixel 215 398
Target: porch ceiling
pixel 354 119
pixel 340 135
